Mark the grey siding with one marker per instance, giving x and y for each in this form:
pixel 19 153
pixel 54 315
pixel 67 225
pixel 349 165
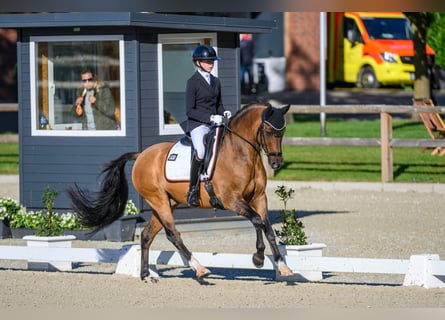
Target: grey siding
pixel 228 70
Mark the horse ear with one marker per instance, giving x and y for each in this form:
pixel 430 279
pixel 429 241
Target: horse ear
pixel 268 112
pixel 285 109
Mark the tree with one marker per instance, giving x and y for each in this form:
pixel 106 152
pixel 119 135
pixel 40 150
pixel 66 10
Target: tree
pixel 419 25
pixel 436 37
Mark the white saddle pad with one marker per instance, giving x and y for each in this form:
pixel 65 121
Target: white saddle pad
pixel 177 166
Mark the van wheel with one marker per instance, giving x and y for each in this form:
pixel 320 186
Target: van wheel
pixel 367 79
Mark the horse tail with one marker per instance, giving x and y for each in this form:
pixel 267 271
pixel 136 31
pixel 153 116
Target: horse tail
pixel 99 209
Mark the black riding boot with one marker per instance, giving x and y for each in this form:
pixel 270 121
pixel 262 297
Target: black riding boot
pixel 193 194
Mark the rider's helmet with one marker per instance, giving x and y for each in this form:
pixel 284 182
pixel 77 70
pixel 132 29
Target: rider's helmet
pixel 204 52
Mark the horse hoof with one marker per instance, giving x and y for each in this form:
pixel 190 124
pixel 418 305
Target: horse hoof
pixel 154 280
pixel 151 280
pixel 285 271
pixel 258 260
pixel 202 273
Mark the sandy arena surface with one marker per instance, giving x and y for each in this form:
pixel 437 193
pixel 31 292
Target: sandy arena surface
pixel 368 224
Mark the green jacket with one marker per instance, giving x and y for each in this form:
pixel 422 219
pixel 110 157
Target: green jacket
pixel 103 108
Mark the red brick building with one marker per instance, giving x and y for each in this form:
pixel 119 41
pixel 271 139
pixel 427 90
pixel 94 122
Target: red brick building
pixel 302 50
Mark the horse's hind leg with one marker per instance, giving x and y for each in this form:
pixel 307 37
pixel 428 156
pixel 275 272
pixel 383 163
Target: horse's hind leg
pixel 174 236
pixel 147 237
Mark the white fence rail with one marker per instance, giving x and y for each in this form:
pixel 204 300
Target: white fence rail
pixel 420 270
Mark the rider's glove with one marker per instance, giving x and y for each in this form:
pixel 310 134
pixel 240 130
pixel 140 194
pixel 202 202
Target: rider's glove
pixel 216 118
pixel 227 114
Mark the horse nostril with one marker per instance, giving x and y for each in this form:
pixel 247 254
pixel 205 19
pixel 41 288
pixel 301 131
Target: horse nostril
pixel 275 165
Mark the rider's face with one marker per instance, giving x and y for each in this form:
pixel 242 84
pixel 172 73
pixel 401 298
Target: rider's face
pixel 207 65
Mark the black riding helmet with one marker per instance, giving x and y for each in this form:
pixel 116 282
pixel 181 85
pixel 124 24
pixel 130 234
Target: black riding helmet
pixel 204 52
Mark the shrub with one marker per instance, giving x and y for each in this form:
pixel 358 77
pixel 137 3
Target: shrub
pixel 291 232
pixel 48 223
pixel 130 208
pixel 9 207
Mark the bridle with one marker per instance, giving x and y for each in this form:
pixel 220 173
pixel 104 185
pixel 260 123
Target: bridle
pixel 277 132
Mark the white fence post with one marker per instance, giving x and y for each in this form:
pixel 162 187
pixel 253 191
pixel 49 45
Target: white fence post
pixel 420 272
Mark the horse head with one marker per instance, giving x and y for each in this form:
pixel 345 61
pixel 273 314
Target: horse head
pixel 271 131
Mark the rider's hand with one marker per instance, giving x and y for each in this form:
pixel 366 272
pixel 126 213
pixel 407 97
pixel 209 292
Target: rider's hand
pixel 227 114
pixel 216 118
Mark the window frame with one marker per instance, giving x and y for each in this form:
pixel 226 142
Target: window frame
pixel 34 81
pixel 177 38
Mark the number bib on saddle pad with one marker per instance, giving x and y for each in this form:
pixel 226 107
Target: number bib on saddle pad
pixel 177 166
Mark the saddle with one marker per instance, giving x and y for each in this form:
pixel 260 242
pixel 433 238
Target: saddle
pixel 177 165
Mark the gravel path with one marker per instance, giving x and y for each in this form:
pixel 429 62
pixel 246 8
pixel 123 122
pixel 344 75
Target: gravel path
pixel 362 223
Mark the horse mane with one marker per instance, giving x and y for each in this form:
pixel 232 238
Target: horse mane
pixel 241 112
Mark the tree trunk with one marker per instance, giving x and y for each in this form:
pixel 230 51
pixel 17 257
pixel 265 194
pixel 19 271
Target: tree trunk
pixel 422 88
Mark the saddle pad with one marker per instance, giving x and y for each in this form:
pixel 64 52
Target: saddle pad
pixel 177 166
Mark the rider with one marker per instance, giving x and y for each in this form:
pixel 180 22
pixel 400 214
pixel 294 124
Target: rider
pixel 202 99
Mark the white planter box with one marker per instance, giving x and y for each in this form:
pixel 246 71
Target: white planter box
pixel 55 242
pixel 308 250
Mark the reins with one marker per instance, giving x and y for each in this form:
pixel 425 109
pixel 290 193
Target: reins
pixel 242 138
pixel 262 138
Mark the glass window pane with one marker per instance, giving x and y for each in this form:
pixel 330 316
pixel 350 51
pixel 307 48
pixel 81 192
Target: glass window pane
pixel 78 85
pixel 177 67
pixel 175 52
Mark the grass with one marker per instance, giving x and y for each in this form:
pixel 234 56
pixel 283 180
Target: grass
pixel 312 163
pixel 332 163
pixel 9 158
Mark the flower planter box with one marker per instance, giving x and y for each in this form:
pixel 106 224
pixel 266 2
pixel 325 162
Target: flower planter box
pixel 19 233
pixel 86 235
pixel 56 242
pixel 122 229
pixel 308 250
pixel 5 231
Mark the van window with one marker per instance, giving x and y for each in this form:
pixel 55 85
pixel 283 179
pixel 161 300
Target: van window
pixel 388 28
pixel 350 31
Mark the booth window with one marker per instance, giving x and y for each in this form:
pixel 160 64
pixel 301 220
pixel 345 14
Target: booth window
pixel 175 67
pixel 56 83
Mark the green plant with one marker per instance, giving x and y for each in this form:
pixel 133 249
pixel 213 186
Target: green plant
pixel 24 219
pixel 69 221
pixel 51 222
pixel 9 207
pixel 291 232
pixel 130 208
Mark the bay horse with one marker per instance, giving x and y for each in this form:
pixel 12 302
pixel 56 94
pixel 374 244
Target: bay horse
pixel 239 181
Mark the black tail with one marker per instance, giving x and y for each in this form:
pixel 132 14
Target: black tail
pixel 99 209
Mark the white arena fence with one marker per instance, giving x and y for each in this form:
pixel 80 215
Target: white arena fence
pixel 425 270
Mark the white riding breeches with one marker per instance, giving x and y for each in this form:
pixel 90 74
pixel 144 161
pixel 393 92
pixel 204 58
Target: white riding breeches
pixel 197 136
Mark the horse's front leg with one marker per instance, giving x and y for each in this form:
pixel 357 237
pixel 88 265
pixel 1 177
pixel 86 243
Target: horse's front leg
pixel 258 256
pixel 283 269
pixel 261 223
